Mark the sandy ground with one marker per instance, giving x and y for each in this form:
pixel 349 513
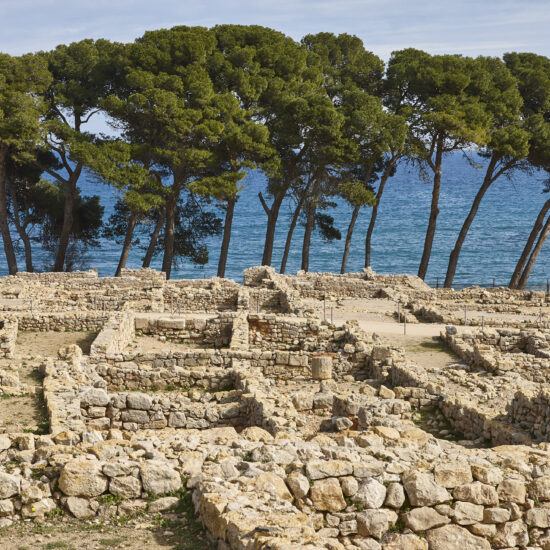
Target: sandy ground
pixel 46 344
pixel 420 340
pixel 19 413
pixel 169 532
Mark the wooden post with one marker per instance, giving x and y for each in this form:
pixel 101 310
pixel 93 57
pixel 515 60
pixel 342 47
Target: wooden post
pixel 405 324
pixel 331 315
pixel 493 282
pixel 399 311
pixel 437 282
pixel 465 314
pixel 325 307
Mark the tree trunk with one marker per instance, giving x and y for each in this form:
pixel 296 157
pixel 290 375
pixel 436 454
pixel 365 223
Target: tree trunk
pixel 374 212
pixel 272 217
pixel 21 230
pixel 70 192
pixel 534 255
pixel 127 243
pixel 434 211
pixel 153 240
pixel 453 258
pixel 348 238
pixel 231 201
pixel 4 226
pixel 293 223
pixel 169 233
pixel 514 281
pixel 310 222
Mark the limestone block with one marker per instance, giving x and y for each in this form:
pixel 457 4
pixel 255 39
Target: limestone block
pixel 326 495
pixel 82 478
pixel 371 494
pixel 157 477
pixel 321 367
pixel 512 533
pixel 375 523
pixel 512 490
pixel 299 484
pixel 452 474
pixel 454 537
pixel 424 518
pixel 125 486
pixel 477 493
pixel 9 485
pixel 273 484
pixel 140 401
pixel 422 489
pixel 399 541
pixel 319 469
pixel 395 495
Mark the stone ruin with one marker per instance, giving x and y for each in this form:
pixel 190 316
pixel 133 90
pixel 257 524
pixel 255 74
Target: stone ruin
pixel 291 432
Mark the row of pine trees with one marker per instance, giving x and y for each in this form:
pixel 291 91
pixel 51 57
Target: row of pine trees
pixel 191 109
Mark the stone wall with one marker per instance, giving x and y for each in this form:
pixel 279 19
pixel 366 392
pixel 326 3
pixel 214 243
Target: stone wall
pixel 69 321
pixel 353 285
pixel 531 412
pixel 206 332
pixel 115 336
pixel 130 376
pixel 276 332
pixel 137 411
pixel 201 295
pixel 526 352
pixel 8 336
pixel 474 420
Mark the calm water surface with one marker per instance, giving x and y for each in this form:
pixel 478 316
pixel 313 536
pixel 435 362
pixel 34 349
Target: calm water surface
pixel 491 250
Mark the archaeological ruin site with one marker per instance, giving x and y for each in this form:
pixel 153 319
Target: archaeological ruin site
pixel 307 412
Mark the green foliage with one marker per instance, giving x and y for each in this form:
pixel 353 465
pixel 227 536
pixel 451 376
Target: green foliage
pixel 22 80
pixel 357 194
pixel 195 108
pixel 532 73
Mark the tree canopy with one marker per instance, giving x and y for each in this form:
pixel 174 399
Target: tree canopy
pixel 192 110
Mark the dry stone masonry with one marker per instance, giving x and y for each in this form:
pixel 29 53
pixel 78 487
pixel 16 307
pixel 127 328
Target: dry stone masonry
pixel 291 431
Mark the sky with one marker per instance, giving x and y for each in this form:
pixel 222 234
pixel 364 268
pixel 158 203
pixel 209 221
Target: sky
pixel 482 27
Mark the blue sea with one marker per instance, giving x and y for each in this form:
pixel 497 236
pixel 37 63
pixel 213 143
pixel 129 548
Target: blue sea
pixel 491 250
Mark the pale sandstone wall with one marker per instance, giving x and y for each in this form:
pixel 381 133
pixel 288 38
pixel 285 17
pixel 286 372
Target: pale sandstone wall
pixel 115 336
pixel 206 332
pixel 8 336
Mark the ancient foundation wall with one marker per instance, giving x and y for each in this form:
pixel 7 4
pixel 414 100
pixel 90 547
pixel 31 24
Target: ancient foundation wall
pixel 8 336
pixel 114 337
pixel 130 376
pixel 526 352
pixel 68 321
pixel 206 332
pixel 137 411
pixel 201 295
pixel 531 412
